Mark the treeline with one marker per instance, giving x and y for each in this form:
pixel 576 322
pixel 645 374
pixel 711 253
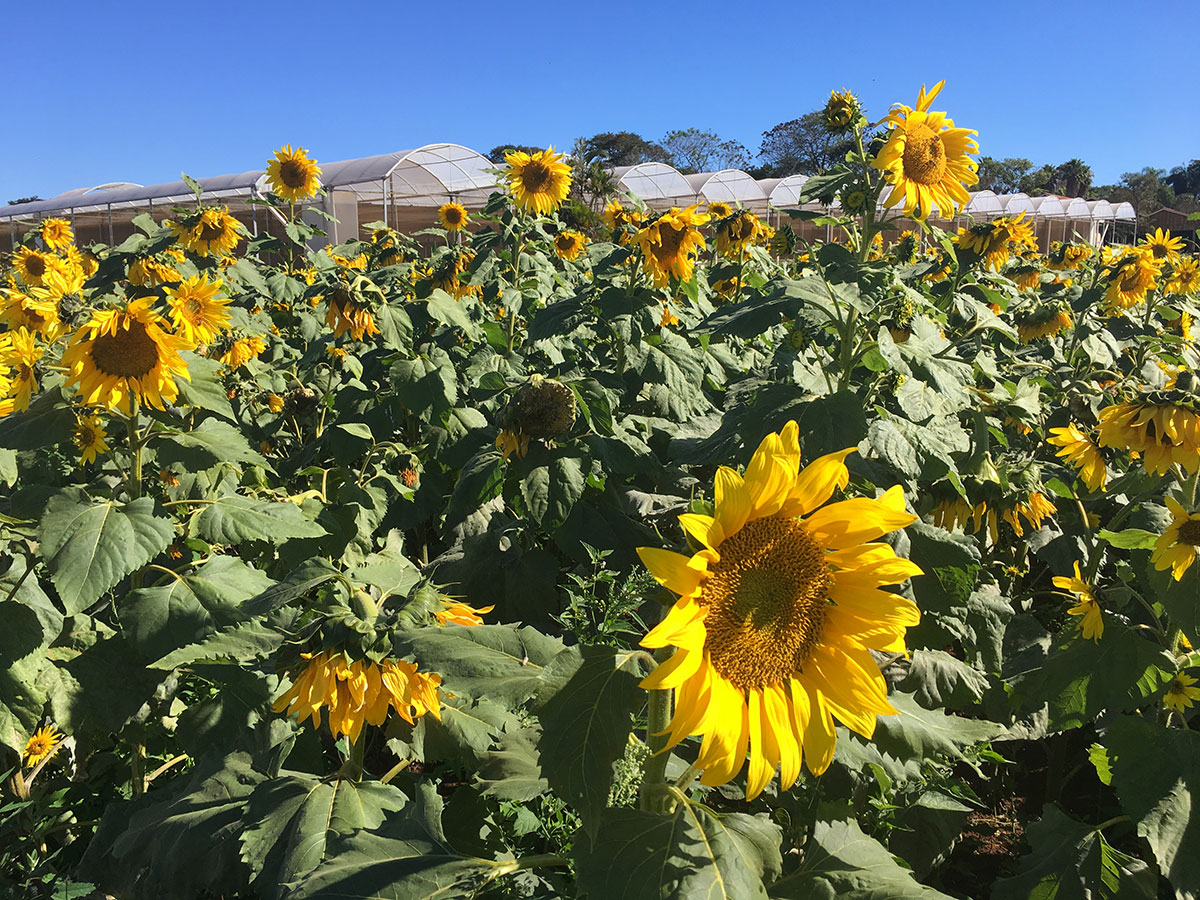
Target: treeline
pixel 1147 189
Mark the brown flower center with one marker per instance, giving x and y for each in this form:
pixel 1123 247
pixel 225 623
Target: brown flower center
pixel 129 353
pixel 766 602
pixel 924 155
pixel 670 239
pixel 35 266
pixel 1189 532
pixel 293 173
pixel 212 231
pixel 536 177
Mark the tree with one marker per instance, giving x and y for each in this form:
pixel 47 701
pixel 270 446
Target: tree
pixel 1004 176
pixel 1185 179
pixel 802 146
pixel 1043 180
pixel 622 148
pixel 496 154
pixel 693 150
pixel 1073 177
pixel 32 199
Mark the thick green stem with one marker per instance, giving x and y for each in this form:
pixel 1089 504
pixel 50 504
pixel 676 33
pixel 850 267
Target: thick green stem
pixel 658 720
pixel 135 451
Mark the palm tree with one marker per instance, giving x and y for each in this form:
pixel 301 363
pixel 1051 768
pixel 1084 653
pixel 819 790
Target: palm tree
pixel 1074 177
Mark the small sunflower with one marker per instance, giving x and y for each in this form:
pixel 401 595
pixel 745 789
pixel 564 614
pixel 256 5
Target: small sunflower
pixel 995 241
pixel 150 272
pixel 1079 451
pixel 453 216
pixel 1092 621
pixel 210 231
pixel 1175 548
pixel 37 311
pixel 345 315
pixel 198 313
pixel 32 265
pixel 1043 321
pixel 737 232
pixel 1129 278
pixel 1068 256
pixel 539 181
pixel 778 614
pixel 41 744
pixel 510 441
pixel 925 160
pixel 1185 277
pixel 1161 426
pixel 671 243
pixel 242 350
pixel 123 354
pixel 1181 695
pixel 21 352
pixel 57 234
pixel 842 109
pixel 89 437
pixel 292 175
pixel 450 273
pixel 569 244
pixel 719 209
pixel 1162 246
pixel 906 248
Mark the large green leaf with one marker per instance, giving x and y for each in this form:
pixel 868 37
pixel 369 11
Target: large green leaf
pixel 939 681
pixel 918 733
pixel 47 422
pixel 233 519
pixel 209 443
pixel 1156 772
pixel 1072 861
pixel 841 862
pixel 426 384
pixel 512 771
pixel 90 546
pixel 481 479
pixel 205 390
pixel 693 852
pixel 242 642
pixel 550 489
pixel 586 706
pixel 107 686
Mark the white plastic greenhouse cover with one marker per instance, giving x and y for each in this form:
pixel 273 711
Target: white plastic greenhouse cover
pixel 1047 207
pixel 783 192
pixel 728 186
pixel 654 181
pixel 1015 204
pixel 1075 208
pixel 130 194
pixel 983 203
pixel 1101 209
pixel 1125 210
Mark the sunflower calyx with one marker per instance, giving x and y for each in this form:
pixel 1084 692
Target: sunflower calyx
pixel 544 408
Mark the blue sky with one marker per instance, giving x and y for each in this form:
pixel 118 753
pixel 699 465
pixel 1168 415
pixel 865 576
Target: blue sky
pixel 142 91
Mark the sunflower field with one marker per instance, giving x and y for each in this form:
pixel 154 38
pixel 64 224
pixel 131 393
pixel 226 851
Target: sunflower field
pixel 663 556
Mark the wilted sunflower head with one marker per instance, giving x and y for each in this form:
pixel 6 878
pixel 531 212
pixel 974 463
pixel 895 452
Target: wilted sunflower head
pixel 841 111
pixel 783 241
pixel 671 243
pixel 538 181
pixel 736 232
pixel 292 175
pixel 1043 320
pixel 719 209
pixel 1130 277
pixel 544 408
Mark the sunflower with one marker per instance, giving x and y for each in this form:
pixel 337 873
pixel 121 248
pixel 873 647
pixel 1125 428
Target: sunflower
pixel 671 243
pixel 1027 278
pixel 737 232
pixel 841 110
pixel 57 234
pixel 1162 427
pixel 199 314
pixel 569 244
pixel 126 353
pixel 242 350
pixel 359 693
pixel 976 517
pixel 538 181
pixel 719 209
pixel 1044 320
pixel 995 241
pixel 1185 277
pixel 1162 246
pixel 511 441
pixel 1068 256
pixel 41 744
pixel 1185 327
pixel 455 612
pixel 36 311
pixel 448 274
pixel 90 438
pixel 1079 451
pixel 149 272
pixel 668 318
pixel 1181 695
pixel 777 615
pixel 905 249
pixel 32 265
pixel 1129 278
pixel 1175 548
pixel 453 216
pixel 345 315
pixel 211 231
pixel 292 175
pixel 21 353
pixel 1092 621
pixel 925 160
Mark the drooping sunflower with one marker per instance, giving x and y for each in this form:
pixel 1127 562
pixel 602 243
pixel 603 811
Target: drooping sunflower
pixel 345 315
pixel 1044 320
pixel 1091 622
pixel 1175 548
pixel 569 244
pixel 453 216
pixel 33 311
pixel 41 744
pixel 360 692
pixel 671 243
pixel 1181 695
pixel 719 209
pixel 1129 277
pixel 123 354
pixel 1162 246
pixel 1185 277
pixel 292 175
pixel 89 437
pixel 995 241
pixel 21 352
pixel 198 313
pixel 538 181
pixel 449 271
pixel 777 615
pixel 210 231
pixel 57 234
pixel 1068 256
pixel 905 249
pixel 737 232
pixel 1033 508
pixel 150 272
pixel 1079 451
pixel 1161 426
pixel 32 265
pixel 925 160
pixel 241 351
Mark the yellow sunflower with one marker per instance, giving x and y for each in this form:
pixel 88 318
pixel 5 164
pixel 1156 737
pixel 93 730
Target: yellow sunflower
pixel 292 175
pixel 149 272
pixel 90 438
pixel 1079 451
pixel 123 354
pixel 455 612
pixel 777 615
pixel 671 243
pixel 448 275
pixel 1129 278
pixel 345 315
pixel 41 744
pixel 925 160
pixel 1185 277
pixel 198 313
pixel 32 265
pixel 1162 246
pixel 36 311
pixel 242 350
pixel 453 216
pixel 995 241
pixel 1181 695
pixel 977 517
pixel 719 209
pixel 1161 430
pixel 1175 548
pixel 569 244
pixel 841 110
pixel 359 693
pixel 736 233
pixel 21 352
pixel 1044 320
pixel 211 231
pixel 1092 621
pixel 1068 256
pixel 57 234
pixel 538 181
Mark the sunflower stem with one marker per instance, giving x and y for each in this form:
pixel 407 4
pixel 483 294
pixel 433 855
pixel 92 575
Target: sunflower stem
pixel 658 720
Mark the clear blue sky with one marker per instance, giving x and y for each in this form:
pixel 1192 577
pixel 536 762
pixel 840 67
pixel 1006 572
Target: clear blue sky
pixel 140 91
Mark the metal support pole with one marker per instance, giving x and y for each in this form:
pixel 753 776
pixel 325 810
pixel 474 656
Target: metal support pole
pixel 254 215
pixel 383 194
pixel 110 228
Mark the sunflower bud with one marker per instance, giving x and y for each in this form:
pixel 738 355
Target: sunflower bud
pixel 1186 381
pixel 545 408
pixel 364 606
pixel 841 111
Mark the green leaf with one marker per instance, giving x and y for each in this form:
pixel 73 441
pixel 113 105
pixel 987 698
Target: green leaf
pixel 551 490
pixel 306 577
pixel 840 861
pixel 481 479
pixel 1072 861
pixel 586 706
pixel 205 390
pixel 927 830
pixel 1130 538
pixel 211 442
pixel 452 313
pixel 47 422
pixel 239 643
pixel 89 547
pixel 426 384
pixel 291 820
pixel 694 852
pixel 937 680
pixel 512 770
pixel 917 733
pixel 233 519
pixel 466 730
pixel 1156 772
pixel 1179 599
pixel 107 685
